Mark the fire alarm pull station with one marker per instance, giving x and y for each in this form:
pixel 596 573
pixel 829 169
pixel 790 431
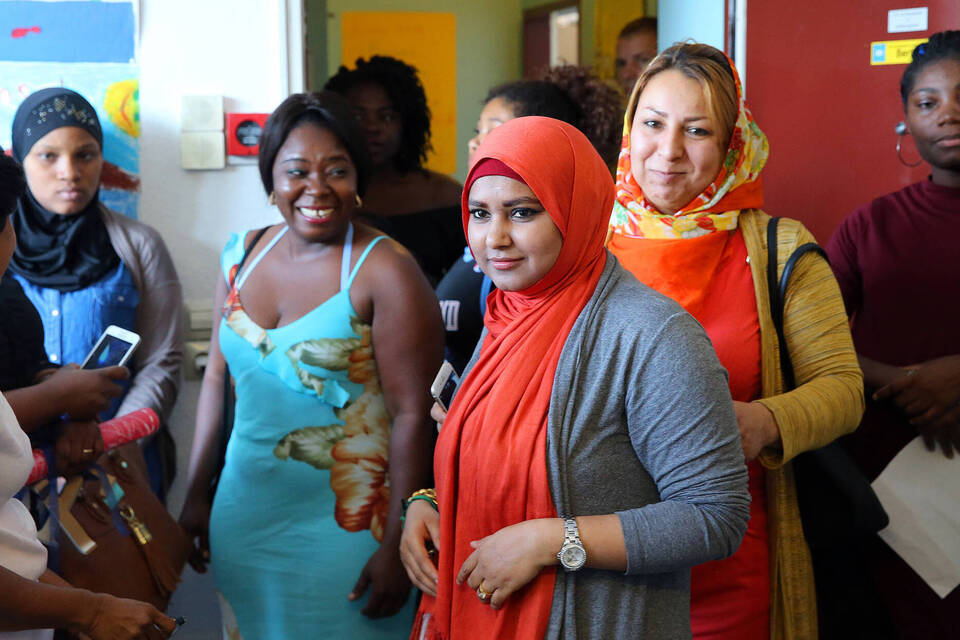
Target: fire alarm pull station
pixel 243 133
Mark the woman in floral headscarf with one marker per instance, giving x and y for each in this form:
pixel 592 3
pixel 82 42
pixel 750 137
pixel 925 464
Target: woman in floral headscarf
pixel 687 222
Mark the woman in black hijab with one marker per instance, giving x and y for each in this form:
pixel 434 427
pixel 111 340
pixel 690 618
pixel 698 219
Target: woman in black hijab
pixel 85 267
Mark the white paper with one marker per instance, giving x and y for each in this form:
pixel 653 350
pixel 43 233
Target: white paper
pixel 904 20
pixel 920 491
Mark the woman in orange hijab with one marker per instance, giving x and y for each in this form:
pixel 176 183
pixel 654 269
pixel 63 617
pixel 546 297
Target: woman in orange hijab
pixel 687 222
pixel 593 428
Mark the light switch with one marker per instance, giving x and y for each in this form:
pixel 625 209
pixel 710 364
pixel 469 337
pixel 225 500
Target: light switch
pixel 202 150
pixel 201 113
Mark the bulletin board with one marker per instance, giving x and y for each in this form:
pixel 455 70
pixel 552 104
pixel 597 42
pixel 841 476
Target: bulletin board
pixel 426 41
pixel 90 47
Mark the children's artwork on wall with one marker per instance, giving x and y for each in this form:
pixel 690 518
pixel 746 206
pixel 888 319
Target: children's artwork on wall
pixel 67 31
pixel 412 36
pixel 90 47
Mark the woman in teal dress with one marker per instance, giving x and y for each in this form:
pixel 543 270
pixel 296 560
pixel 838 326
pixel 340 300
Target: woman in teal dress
pixel 332 336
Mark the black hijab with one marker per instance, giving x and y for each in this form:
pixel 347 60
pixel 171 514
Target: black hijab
pixel 62 252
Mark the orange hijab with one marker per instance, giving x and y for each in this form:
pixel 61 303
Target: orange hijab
pixel 490 462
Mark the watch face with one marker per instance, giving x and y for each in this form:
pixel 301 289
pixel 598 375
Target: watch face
pixel 573 557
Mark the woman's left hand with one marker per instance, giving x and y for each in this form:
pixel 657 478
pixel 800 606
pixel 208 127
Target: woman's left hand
pixel 387 580
pixel 510 558
pixel 927 391
pixel 758 428
pixel 78 446
pixel 929 394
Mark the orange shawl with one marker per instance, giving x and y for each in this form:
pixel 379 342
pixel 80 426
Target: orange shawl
pixel 490 461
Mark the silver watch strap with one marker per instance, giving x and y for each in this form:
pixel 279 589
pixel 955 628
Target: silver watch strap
pixel 571 533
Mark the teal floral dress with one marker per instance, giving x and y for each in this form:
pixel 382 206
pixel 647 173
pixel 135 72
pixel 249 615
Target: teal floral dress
pixel 302 501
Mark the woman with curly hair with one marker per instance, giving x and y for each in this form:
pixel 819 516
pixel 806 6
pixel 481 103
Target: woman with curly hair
pixel 416 206
pixel 571 94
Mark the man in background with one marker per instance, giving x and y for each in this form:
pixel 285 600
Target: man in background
pixel 636 47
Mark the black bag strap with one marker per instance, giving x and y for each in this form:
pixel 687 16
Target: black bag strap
pixel 249 249
pixel 777 291
pixel 828 469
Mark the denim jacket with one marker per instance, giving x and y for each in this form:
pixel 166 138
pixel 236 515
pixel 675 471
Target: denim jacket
pixel 74 320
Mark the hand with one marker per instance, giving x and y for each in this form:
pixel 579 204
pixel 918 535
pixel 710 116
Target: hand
pixel 122 619
pixel 877 374
pixel 758 428
pixel 86 392
pixel 438 414
pixel 43 374
pixel 195 520
pixel 925 392
pixel 945 432
pixel 388 583
pixel 512 557
pixel 78 446
pixel 421 526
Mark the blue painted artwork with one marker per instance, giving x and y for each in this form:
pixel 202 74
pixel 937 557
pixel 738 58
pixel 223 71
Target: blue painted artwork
pixel 67 31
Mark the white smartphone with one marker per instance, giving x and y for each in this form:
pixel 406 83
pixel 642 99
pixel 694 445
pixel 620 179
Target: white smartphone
pixel 444 385
pixel 114 347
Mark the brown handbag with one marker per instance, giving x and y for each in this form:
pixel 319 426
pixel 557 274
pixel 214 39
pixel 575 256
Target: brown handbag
pixel 143 557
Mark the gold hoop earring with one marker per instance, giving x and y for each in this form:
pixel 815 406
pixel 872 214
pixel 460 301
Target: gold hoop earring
pixel 358 200
pixel 272 199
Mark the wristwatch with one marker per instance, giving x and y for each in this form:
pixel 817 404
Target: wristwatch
pixel 572 555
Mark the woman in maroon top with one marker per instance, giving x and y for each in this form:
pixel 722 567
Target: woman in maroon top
pixel 897 260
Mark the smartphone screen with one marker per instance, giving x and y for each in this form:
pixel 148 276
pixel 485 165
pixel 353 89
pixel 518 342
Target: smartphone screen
pixel 110 351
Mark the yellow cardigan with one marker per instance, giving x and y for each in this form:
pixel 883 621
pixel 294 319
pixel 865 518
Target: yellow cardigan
pixel 827 403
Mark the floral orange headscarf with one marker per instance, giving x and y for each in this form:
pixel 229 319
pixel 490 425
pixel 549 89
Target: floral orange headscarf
pixel 736 187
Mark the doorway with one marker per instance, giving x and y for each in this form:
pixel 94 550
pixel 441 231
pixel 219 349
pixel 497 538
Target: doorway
pixel 551 37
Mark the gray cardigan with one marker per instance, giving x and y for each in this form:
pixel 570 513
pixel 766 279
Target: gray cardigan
pixel 641 424
pixel 159 315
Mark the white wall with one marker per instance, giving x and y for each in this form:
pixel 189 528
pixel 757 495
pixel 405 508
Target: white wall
pixel 236 48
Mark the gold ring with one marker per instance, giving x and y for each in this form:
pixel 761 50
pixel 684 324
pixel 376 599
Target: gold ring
pixel 481 593
pixel 87 451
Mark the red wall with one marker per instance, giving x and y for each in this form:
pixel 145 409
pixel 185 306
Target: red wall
pixel 828 114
